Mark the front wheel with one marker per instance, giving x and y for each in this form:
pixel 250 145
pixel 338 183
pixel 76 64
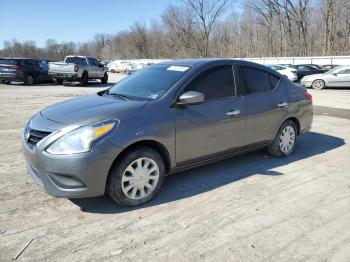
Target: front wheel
pixel 318 84
pixel 104 79
pixel 137 177
pixel 283 144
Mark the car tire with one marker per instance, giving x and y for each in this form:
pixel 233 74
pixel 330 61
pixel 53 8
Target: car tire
pixel 84 78
pixel 127 186
pixel 318 84
pixel 112 71
pixel 283 144
pixel 59 81
pixel 29 79
pixel 104 79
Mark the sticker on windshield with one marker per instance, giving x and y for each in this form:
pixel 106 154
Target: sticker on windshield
pixel 178 68
pixel 153 96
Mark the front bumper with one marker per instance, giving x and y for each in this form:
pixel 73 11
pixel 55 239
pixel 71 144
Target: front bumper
pixel 306 84
pixel 73 176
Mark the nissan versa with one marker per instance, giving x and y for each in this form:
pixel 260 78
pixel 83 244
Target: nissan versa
pixel 165 118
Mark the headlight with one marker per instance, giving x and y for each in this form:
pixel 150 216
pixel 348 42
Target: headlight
pixel 81 139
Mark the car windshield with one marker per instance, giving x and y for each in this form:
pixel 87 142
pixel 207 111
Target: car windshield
pixel 149 83
pixel 333 70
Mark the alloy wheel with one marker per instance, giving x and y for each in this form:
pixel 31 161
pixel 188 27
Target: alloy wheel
pixel 318 84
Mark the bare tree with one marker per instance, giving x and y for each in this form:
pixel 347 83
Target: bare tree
pixel 205 14
pixel 208 28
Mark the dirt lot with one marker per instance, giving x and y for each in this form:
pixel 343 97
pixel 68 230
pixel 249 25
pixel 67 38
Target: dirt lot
pixel 249 208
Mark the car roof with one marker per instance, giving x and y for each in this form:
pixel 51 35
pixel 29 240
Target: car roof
pixel 18 58
pixel 81 56
pixel 188 62
pixel 212 61
pixel 201 61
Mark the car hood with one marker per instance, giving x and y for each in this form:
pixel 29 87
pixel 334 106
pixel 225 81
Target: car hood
pixel 309 77
pixel 90 109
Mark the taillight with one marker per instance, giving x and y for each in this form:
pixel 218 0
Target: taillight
pixel 18 65
pixel 76 68
pixel 308 96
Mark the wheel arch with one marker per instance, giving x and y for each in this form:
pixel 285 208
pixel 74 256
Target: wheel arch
pixel 296 121
pixel 292 118
pixel 320 79
pixel 157 146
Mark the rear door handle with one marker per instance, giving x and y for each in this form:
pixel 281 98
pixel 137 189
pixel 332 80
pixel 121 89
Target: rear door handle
pixel 283 104
pixel 233 112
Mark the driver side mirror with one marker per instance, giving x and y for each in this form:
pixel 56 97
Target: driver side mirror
pixel 335 74
pixel 190 98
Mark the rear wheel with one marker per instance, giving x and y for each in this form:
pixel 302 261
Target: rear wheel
pixel 318 84
pixel 137 177
pixel 112 71
pixel 29 79
pixel 85 78
pixel 284 142
pixel 59 81
pixel 104 79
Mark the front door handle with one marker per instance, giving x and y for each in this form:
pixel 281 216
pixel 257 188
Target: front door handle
pixel 233 112
pixel 283 104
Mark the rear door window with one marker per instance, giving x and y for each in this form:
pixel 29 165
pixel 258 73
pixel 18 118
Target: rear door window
pixel 274 80
pixel 255 80
pixel 344 72
pixel 91 61
pixel 214 83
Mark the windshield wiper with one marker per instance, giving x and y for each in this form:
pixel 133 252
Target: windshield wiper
pixel 124 97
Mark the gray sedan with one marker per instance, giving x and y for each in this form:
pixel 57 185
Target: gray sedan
pixel 160 120
pixel 337 77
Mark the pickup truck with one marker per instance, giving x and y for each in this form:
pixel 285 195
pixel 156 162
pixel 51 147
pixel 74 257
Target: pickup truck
pixel 78 68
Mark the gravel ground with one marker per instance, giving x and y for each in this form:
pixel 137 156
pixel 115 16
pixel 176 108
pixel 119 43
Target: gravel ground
pixel 249 208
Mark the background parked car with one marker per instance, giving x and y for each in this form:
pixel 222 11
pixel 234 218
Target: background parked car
pixel 304 70
pixel 338 77
pixel 288 72
pixel 105 62
pixel 329 67
pixel 78 68
pixel 25 70
pixel 118 66
pixel 135 67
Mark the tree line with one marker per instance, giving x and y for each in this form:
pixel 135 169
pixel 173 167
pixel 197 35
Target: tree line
pixel 216 28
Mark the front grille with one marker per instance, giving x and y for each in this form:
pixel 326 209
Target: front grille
pixel 34 136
